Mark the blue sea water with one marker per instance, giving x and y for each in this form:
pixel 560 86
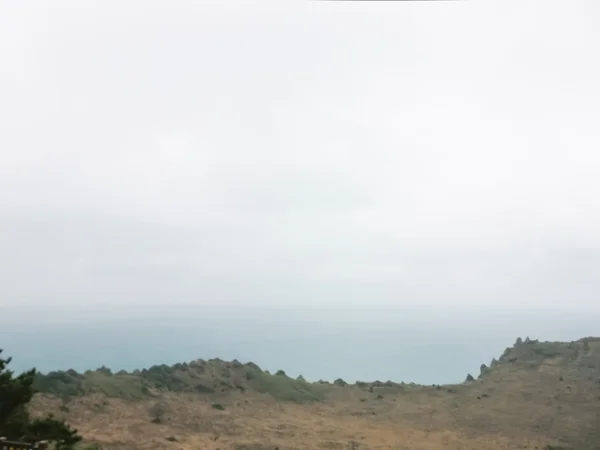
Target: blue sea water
pixel 382 344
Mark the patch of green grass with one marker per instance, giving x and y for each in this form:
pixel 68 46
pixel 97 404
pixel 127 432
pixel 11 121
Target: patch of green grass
pixel 62 384
pixel 68 384
pixel 124 386
pixel 165 377
pixel 285 388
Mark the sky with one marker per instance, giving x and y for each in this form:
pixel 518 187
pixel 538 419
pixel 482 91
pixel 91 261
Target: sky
pixel 341 163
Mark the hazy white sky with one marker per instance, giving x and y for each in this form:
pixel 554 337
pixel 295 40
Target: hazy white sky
pixel 299 152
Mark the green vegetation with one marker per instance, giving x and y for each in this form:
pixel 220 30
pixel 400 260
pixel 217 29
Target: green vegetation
pixel 124 386
pixel 198 376
pixel 284 388
pixel 165 377
pixel 15 422
pixel 70 383
pixel 64 384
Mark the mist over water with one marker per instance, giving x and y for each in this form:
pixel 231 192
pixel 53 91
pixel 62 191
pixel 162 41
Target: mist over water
pixel 417 345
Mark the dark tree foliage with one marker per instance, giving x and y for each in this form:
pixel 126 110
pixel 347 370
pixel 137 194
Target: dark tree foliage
pixel 15 423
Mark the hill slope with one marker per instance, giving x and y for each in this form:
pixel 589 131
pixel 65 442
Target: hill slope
pixel 535 394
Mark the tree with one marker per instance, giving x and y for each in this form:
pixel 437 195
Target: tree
pixel 15 423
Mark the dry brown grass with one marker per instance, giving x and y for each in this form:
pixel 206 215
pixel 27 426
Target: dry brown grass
pixel 518 405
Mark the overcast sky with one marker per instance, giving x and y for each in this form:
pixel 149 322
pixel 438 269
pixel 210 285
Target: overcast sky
pixel 299 152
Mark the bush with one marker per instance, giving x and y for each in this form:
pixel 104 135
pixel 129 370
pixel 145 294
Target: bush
pixel 340 382
pixel 202 388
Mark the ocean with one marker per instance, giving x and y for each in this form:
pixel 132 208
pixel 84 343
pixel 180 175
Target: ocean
pixel 425 346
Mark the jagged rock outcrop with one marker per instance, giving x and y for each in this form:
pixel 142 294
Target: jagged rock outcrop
pixel 505 354
pixel 483 369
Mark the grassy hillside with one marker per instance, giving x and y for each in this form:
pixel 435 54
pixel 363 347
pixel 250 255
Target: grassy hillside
pixel 202 377
pixel 535 394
